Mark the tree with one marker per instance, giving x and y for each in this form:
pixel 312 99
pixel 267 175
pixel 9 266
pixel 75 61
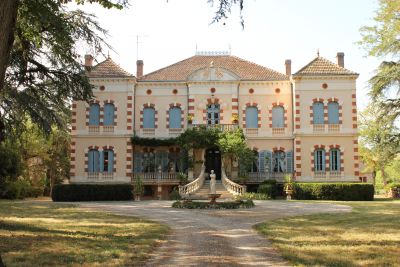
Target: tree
pixel 378 145
pixel 40 69
pixel 382 40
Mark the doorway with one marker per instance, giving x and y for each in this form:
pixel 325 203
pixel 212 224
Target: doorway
pixel 213 162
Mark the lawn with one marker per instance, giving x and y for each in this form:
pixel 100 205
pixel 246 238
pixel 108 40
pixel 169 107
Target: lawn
pixel 48 234
pixel 368 236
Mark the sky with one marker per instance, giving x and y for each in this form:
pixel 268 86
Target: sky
pixel 275 30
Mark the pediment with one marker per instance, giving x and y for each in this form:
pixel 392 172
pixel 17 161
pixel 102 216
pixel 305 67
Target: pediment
pixel 213 74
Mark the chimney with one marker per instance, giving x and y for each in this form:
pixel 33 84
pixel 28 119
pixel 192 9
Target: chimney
pixel 139 68
pixel 88 62
pixel 340 59
pixel 288 65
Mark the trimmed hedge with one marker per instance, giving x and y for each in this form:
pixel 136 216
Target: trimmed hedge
pixel 268 188
pixel 334 191
pixel 253 196
pixel 207 205
pixel 92 192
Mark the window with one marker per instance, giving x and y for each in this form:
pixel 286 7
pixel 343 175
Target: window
pixel 251 117
pixel 149 118
pixel 333 113
pixel 108 161
pixel 279 161
pixel 319 160
pixel 175 118
pixel 213 114
pixel 334 160
pixel 278 117
pixel 318 113
pixel 177 161
pixel 94 115
pixel 109 114
pixel 254 166
pixel 93 161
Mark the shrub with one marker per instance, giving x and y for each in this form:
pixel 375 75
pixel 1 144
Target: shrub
pixel 253 196
pixel 334 191
pixel 393 190
pixel 18 189
pixel 208 205
pixel 174 195
pixel 268 188
pixel 92 192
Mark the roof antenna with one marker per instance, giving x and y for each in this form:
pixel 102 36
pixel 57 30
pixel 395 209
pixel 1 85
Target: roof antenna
pixel 196 49
pixel 318 52
pixel 230 50
pixel 108 55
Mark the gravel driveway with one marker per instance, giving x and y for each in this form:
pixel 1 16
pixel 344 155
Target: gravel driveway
pixel 215 237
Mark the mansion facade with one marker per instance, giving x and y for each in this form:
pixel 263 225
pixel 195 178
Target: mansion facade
pixel 303 124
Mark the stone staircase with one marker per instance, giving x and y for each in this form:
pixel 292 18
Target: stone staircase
pixel 203 192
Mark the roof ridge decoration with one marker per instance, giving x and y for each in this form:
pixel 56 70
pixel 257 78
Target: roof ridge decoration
pixel 108 69
pixel 213 53
pixel 245 70
pixel 321 66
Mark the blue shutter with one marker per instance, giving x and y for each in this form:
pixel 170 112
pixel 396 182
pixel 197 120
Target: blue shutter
pixel 289 161
pixel 323 160
pixel 101 161
pixel 333 113
pixel 94 114
pixel 268 163
pixel 91 161
pixel 277 117
pixel 149 118
pixel 338 159
pixel 110 161
pixel 138 160
pixel 335 165
pixel 109 114
pixel 175 118
pixel 251 117
pixel 261 161
pixel 318 113
pixel 316 160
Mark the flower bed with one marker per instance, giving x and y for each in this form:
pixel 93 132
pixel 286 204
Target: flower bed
pixel 187 204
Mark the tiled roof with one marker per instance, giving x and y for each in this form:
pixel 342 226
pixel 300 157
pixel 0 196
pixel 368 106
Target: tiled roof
pixel 322 67
pixel 108 69
pixel 246 70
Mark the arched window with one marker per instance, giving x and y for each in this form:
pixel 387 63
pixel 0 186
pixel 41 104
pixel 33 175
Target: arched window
pixel 109 114
pixel 94 114
pixel 251 117
pixel 93 160
pixel 318 113
pixel 333 113
pixel 175 116
pixel 278 117
pixel 279 161
pixel 149 118
pixel 319 160
pixel 108 161
pixel 334 160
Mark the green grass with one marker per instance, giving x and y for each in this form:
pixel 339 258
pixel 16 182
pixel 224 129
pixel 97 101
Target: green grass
pixel 368 236
pixel 48 234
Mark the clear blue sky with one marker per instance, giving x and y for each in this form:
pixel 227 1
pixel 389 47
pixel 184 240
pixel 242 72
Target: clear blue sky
pixel 275 30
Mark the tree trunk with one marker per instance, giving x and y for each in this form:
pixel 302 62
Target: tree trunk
pixel 8 17
pixel 383 173
pixel 373 177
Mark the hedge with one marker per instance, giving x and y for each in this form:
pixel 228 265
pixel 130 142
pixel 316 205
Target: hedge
pixel 268 188
pixel 92 192
pixel 207 205
pixel 334 191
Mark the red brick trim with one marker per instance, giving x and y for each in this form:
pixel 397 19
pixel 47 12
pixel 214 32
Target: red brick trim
pixel 175 105
pixel 149 105
pixel 251 104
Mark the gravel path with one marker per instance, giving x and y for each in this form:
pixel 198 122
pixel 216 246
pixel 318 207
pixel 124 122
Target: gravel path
pixel 215 237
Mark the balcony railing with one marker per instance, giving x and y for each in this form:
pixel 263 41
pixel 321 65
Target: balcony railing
pixel 156 177
pixel 175 131
pixel 100 175
pixel 222 127
pixel 94 129
pixel 333 128
pixel 252 131
pixel 278 131
pixel 318 128
pixel 320 174
pixel 258 177
pixel 148 131
pixel 108 129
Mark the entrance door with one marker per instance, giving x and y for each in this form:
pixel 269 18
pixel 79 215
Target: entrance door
pixel 213 162
pixel 213 114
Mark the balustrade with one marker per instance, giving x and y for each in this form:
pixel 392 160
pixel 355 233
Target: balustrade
pixel 230 186
pixel 192 187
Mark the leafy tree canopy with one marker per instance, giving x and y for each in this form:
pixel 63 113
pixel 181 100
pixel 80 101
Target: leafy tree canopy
pixel 382 40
